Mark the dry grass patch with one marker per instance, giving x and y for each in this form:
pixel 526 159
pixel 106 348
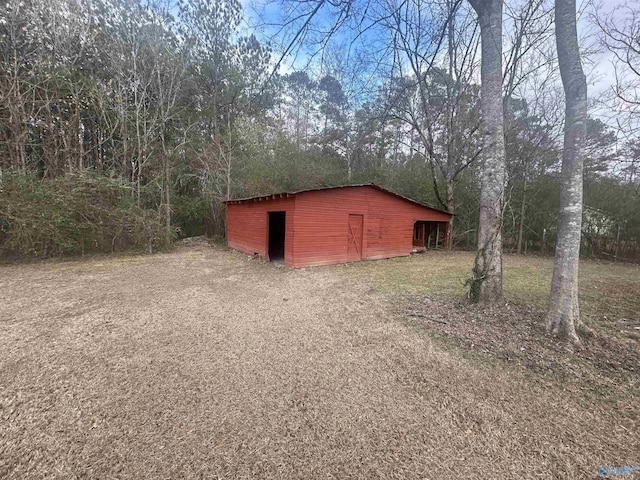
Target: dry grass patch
pixel 429 291
pixel 204 364
pixel 608 291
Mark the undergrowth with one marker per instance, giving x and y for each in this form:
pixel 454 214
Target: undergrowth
pixel 73 215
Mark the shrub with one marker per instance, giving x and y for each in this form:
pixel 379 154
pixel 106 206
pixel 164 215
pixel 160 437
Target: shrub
pixel 189 214
pixel 72 215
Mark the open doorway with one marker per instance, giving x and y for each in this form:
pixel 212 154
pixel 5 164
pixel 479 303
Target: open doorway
pixel 277 224
pixel 428 235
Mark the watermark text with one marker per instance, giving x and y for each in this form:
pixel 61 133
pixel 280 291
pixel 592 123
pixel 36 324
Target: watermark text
pixel 606 471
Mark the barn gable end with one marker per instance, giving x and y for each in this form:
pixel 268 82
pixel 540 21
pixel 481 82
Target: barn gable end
pixel 248 226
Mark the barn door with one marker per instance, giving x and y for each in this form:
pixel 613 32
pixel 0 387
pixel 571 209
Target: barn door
pixel 277 235
pixel 354 245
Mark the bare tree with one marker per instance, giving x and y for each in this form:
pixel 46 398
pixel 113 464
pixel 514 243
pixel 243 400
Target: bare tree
pixel 620 35
pixel 486 281
pixel 45 93
pixel 563 315
pixel 169 73
pixel 436 104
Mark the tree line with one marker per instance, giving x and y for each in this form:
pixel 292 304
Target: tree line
pixel 126 123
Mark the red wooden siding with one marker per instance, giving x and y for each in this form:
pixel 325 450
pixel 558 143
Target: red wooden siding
pixel 322 217
pixel 247 225
pixel 331 226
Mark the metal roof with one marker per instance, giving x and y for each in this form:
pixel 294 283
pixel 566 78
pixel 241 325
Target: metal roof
pixel 359 185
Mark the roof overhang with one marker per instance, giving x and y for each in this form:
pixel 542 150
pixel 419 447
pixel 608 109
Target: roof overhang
pixel 277 196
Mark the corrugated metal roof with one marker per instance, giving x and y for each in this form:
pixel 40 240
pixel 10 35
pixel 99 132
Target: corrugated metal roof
pixel 274 196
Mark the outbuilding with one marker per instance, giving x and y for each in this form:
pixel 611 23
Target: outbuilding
pixel 334 225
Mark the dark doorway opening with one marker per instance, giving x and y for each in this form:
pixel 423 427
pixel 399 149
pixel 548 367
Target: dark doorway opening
pixel 277 224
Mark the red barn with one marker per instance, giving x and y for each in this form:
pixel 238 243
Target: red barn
pixel 334 225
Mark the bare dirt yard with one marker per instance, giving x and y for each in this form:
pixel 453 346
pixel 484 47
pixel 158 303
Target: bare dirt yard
pixel 202 363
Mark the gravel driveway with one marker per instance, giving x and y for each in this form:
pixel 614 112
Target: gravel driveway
pixel 202 363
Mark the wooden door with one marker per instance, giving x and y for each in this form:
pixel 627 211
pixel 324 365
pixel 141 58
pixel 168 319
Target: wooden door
pixel 354 245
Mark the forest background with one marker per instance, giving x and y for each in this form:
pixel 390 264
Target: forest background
pixel 125 124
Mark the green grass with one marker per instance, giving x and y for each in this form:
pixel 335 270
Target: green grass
pixel 608 291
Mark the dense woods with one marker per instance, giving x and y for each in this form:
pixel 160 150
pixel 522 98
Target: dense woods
pixel 126 124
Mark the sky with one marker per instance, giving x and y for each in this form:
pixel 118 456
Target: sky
pixel 597 63
pixel 600 66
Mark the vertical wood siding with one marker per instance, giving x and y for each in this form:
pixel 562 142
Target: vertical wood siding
pixel 317 224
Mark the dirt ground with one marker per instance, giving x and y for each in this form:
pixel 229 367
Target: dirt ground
pixel 202 363
pixel 605 362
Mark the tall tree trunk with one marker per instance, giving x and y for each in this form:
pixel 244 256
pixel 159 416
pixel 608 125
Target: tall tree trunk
pixel 17 119
pixel 450 113
pixel 486 282
pixel 523 207
pixel 228 193
pixel 167 199
pixel 563 315
pixel 138 173
pixel 228 157
pixel 451 208
pixel 349 161
pixel 78 139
